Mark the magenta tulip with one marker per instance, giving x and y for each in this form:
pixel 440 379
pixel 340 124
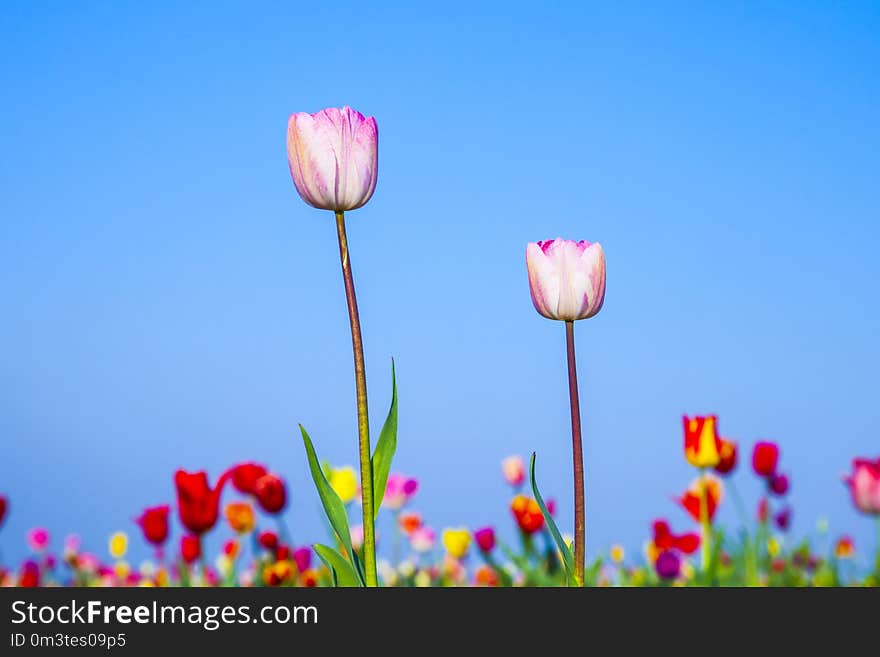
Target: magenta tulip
pixel 333 157
pixel 566 278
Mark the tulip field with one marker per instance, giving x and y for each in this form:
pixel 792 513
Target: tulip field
pixel 333 161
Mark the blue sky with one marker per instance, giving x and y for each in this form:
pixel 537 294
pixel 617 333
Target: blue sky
pixel 169 301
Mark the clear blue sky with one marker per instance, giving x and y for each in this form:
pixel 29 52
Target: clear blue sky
pixel 169 301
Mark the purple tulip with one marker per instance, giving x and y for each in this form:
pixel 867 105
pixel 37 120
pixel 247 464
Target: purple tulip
pixel 668 565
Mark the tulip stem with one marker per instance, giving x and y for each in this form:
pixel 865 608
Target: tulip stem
pixel 360 378
pixel 578 458
pixel 704 520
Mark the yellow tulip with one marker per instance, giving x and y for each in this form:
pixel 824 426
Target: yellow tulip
pixel 457 542
pixel 118 545
pixel 345 482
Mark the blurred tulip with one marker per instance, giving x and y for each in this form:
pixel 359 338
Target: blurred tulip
pixel 616 553
pixel 422 540
pixel 486 576
pixel 779 484
pixel 783 519
pixel 844 548
pixel 727 453
pixel 333 157
pixel 190 548
pixel 701 442
pixel 282 553
pixel 398 491
pixel 409 522
pixel 198 504
pixel 345 482
pixel 566 278
pixel 527 514
pixel 485 539
pixel 29 575
pixel 456 542
pixel 691 500
pixel 240 516
pixel 357 536
pixel 4 506
pixel 302 557
pixel 271 493
pixel 864 485
pixel 38 539
pixel 245 476
pixel 664 539
pixel 668 565
pixel 763 510
pixel 764 458
pixel 514 470
pixel 118 545
pixel 268 540
pixel 154 524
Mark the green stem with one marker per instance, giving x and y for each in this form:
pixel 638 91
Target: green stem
pixel 578 458
pixel 360 377
pixel 704 520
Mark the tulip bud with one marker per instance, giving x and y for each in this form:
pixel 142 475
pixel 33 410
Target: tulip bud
pixel 456 542
pixel 764 458
pixel 271 493
pixel 154 524
pixel 527 514
pixel 245 476
pixel 485 539
pixel 566 278
pixel 302 557
pixel 864 485
pixel 333 157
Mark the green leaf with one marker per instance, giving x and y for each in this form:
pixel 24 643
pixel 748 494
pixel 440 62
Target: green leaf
pixel 385 448
pixel 564 550
pixel 343 574
pixel 333 506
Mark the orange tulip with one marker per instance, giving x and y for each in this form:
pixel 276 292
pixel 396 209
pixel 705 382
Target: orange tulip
pixel 240 516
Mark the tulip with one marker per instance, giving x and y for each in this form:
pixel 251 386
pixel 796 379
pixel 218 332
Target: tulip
pixel 702 445
pixel 668 565
pixel 456 542
pixel 245 476
pixel 29 577
pixel 357 536
pixel 38 539
pixel 282 553
pixel 783 519
pixel 514 470
pixel 398 491
pixel 231 548
pixel 154 524
pixel 344 481
pixel 268 540
pixel 198 504
pixel 302 557
pixel 664 539
pixel 616 553
pixel 727 457
pixel 527 514
pixel 779 484
pixel 566 278
pixel 485 539
pixel 844 548
pixel 422 539
pixel 486 576
pixel 864 485
pixel 271 493
pixel 333 157
pixel 240 516
pixel 567 283
pixel 4 506
pixel 118 545
pixel 706 488
pixel 765 458
pixel 409 522
pixel 190 548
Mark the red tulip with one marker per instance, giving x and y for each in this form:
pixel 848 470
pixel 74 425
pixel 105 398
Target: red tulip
pixel 779 484
pixel 485 539
pixel 198 504
pixel 190 547
pixel 691 501
pixel 664 539
pixel 527 513
pixel 30 575
pixel 268 540
pixel 271 493
pixel 282 553
pixel 701 442
pixel 763 510
pixel 4 505
pixel 154 524
pixel 727 452
pixel 245 476
pixel 764 459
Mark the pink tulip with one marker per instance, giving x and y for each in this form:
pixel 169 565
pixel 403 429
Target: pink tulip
pixel 514 470
pixel 38 539
pixel 566 278
pixel 398 491
pixel 333 157
pixel 864 485
pixel 422 539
